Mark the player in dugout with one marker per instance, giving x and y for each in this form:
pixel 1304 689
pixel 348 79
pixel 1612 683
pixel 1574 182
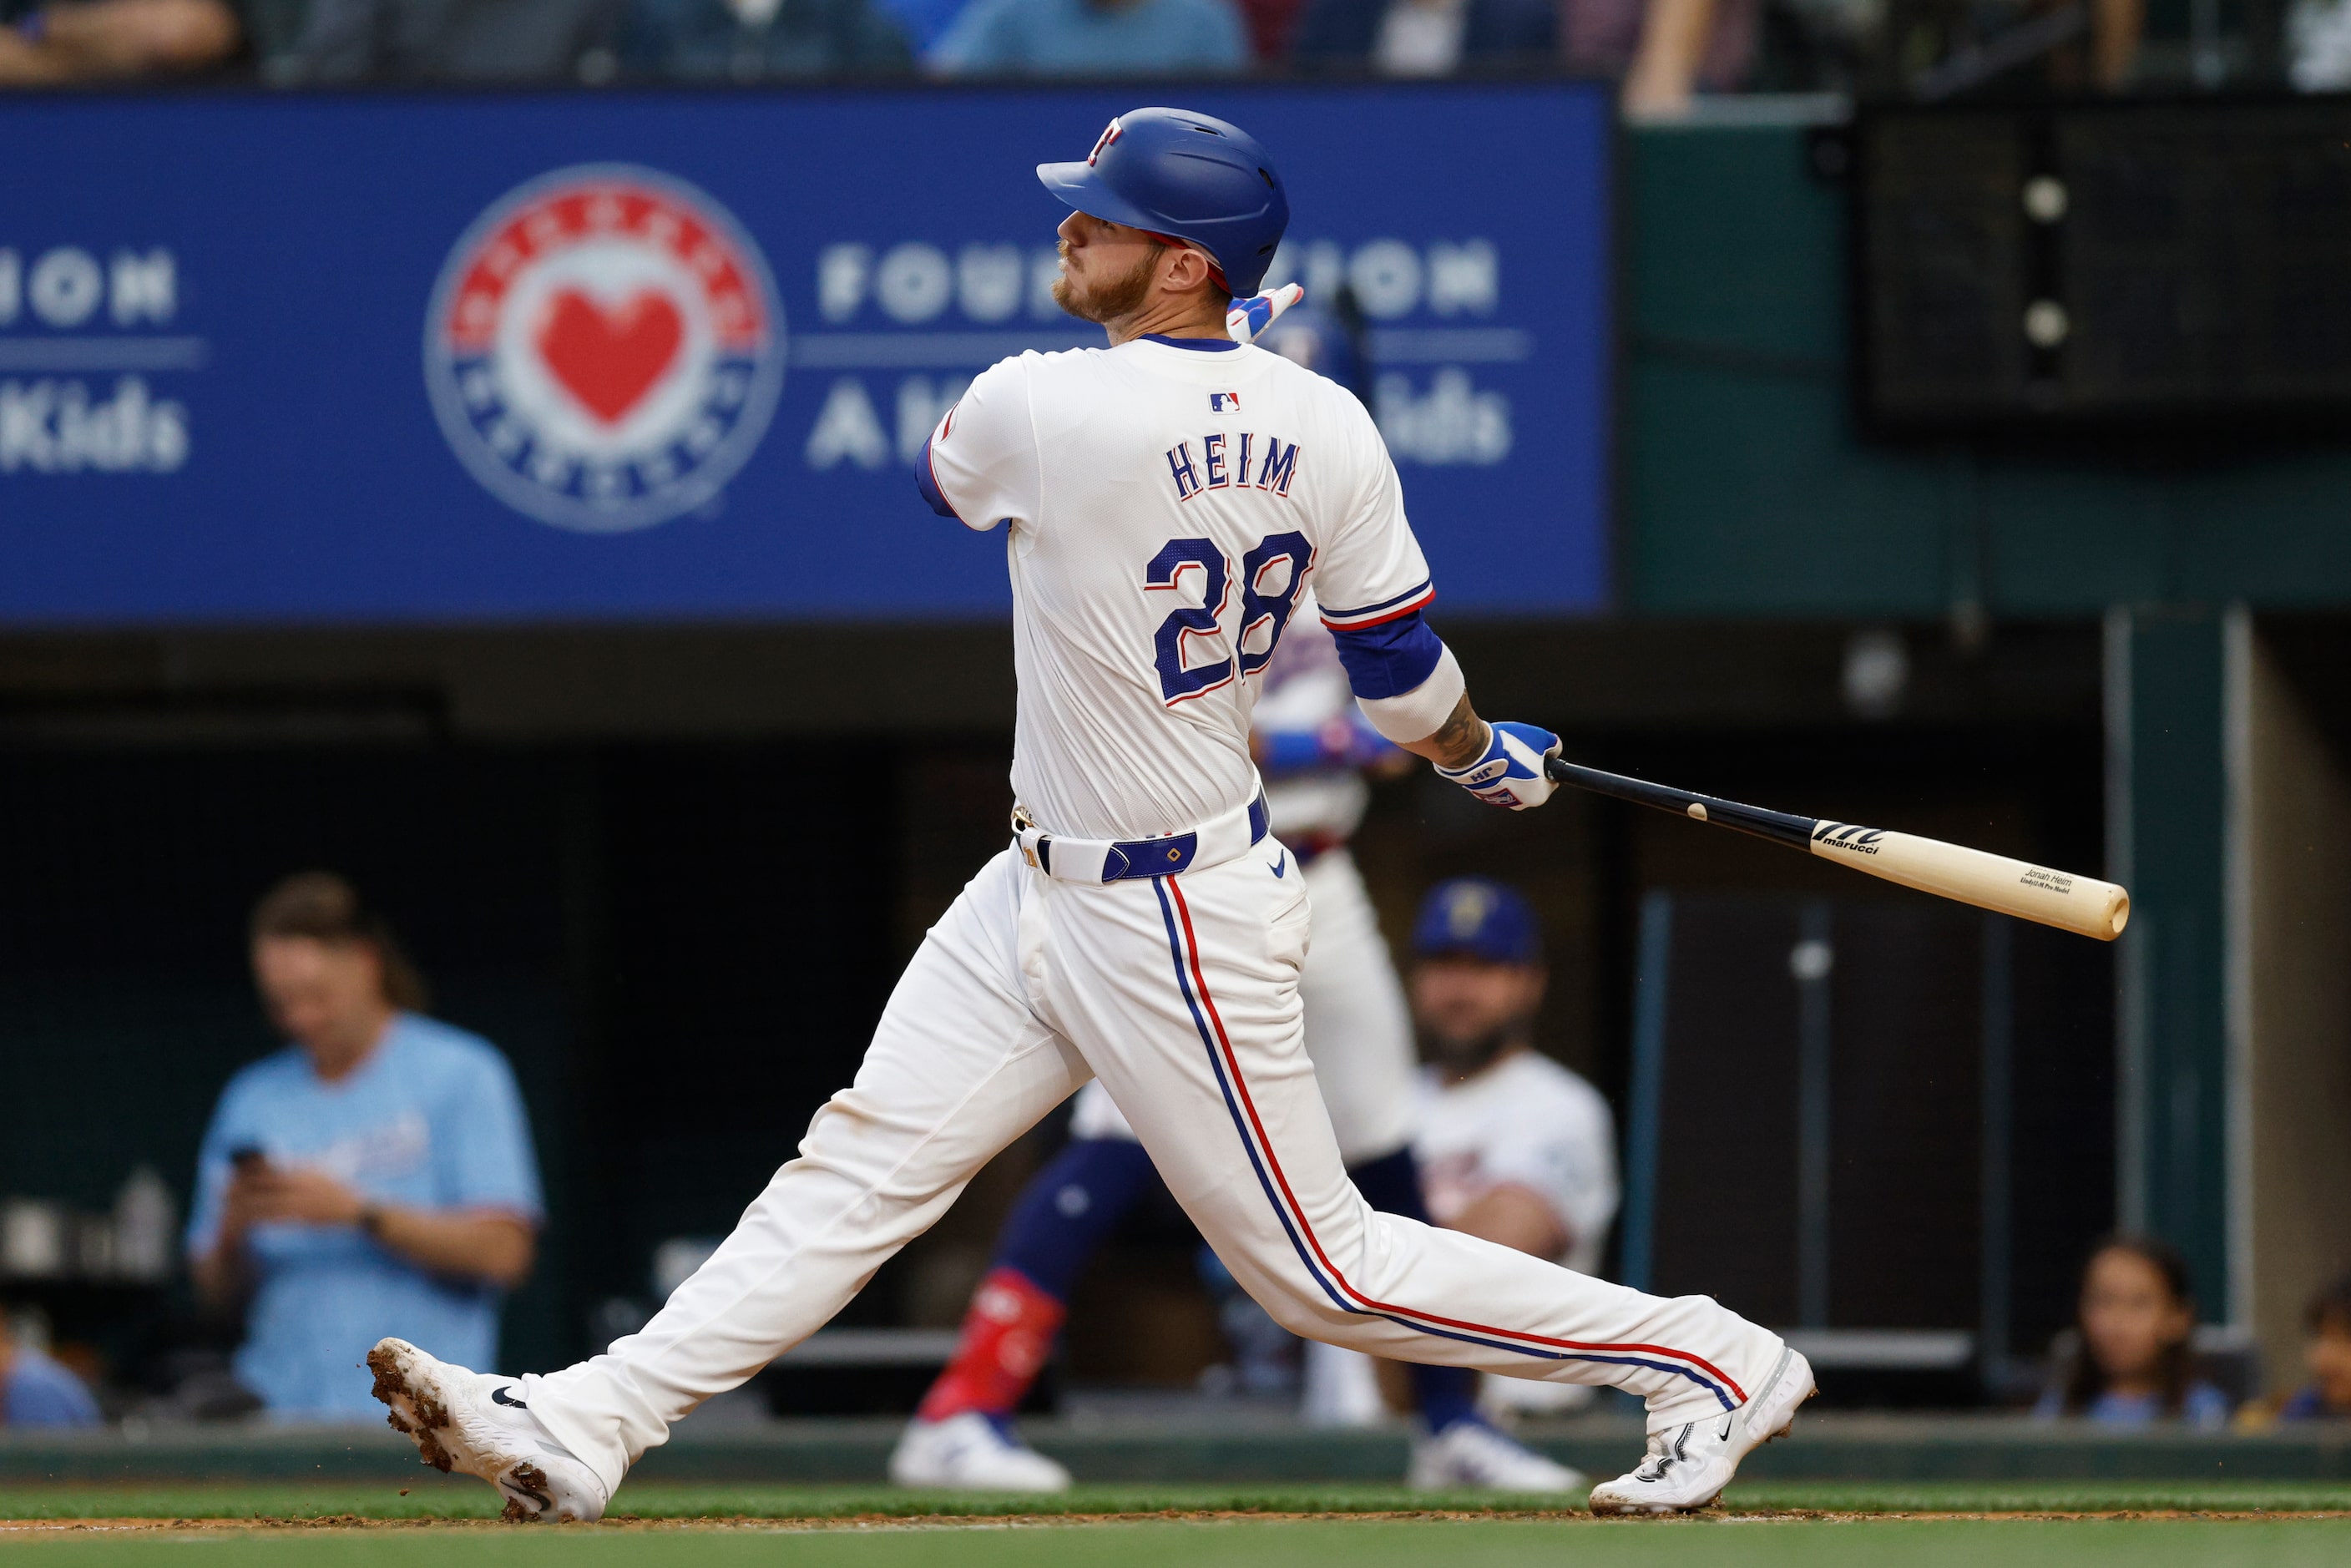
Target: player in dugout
pixel 1312 745
pixel 1167 501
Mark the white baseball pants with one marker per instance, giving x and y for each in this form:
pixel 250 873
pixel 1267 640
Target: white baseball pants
pixel 1358 1026
pixel 1181 994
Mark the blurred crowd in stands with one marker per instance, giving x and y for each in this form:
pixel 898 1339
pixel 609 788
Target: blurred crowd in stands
pixel 1669 54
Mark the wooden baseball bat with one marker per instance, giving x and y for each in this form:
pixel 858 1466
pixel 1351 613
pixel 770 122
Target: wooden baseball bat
pixel 2081 904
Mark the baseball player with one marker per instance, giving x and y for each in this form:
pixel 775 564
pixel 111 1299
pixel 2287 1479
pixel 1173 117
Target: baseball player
pixel 1311 744
pixel 1166 502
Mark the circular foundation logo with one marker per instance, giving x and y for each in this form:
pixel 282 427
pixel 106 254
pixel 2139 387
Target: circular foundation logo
pixel 604 348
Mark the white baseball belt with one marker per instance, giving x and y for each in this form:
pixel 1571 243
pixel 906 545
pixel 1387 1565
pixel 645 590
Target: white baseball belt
pixel 1097 860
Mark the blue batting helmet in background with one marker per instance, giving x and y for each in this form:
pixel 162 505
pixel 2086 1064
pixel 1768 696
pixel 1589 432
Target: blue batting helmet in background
pixel 1477 917
pixel 1192 177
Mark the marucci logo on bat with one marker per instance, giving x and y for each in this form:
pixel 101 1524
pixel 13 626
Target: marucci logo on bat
pixel 1846 836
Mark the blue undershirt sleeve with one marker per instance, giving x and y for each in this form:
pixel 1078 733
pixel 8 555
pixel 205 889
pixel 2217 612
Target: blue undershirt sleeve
pixel 926 482
pixel 1390 658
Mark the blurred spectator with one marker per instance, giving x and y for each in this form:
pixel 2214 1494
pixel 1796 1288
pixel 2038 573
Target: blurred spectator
pixel 1272 25
pixel 373 1178
pixel 2134 1363
pixel 754 40
pixel 451 40
pixel 1093 38
pixel 36 1391
pixel 113 40
pixel 922 22
pixel 1665 50
pixel 2326 1352
pixel 1426 37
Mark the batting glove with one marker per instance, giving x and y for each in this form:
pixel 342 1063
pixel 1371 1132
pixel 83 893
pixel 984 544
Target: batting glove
pixel 1511 772
pixel 1249 316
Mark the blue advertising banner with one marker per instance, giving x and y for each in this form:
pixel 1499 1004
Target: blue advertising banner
pixel 669 357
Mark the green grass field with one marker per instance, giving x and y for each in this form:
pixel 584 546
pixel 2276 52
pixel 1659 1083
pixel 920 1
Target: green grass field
pixel 681 1526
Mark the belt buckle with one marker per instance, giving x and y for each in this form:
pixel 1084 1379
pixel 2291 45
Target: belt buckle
pixel 1022 822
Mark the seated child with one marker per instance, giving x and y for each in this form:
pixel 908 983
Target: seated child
pixel 2133 1365
pixel 2327 1353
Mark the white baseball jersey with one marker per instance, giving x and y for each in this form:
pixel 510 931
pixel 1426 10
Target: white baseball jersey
pixel 1527 1121
pixel 1168 502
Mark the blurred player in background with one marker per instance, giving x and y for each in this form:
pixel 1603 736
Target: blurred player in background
pixel 1313 748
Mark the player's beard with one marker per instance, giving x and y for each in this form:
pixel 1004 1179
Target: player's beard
pixel 1104 303
pixel 1466 1055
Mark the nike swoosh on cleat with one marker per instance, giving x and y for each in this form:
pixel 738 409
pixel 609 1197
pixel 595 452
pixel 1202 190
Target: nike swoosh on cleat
pixel 499 1395
pixel 1279 866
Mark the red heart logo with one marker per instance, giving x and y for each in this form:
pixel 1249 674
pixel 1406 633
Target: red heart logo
pixel 610 358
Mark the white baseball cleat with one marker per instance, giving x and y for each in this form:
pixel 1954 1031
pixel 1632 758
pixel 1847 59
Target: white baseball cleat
pixel 1687 1466
pixel 970 1452
pixel 1469 1453
pixel 472 1422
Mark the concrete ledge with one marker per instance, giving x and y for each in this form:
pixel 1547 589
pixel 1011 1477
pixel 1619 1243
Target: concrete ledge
pixel 1826 1447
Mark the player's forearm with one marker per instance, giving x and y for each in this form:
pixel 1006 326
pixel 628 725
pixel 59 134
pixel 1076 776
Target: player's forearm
pixel 221 1273
pixel 495 1248
pixel 1456 743
pixel 1410 689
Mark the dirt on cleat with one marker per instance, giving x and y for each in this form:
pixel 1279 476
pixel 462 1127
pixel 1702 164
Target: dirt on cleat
pixel 429 1417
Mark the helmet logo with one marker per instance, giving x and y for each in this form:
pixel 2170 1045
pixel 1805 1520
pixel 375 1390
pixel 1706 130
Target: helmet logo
pixel 1110 135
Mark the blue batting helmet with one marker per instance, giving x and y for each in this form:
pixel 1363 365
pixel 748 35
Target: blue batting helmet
pixel 1191 177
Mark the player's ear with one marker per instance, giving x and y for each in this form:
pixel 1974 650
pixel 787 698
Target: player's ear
pixel 1187 270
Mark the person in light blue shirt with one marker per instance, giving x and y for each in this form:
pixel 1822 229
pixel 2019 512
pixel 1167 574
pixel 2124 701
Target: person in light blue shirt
pixel 36 1391
pixel 1093 38
pixel 375 1177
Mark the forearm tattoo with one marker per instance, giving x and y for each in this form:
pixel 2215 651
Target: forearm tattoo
pixel 1459 740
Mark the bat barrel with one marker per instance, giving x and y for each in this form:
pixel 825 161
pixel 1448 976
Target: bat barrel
pixel 2078 904
pixel 2028 891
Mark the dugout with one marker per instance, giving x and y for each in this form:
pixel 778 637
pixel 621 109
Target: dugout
pixel 625 856
pixel 2120 655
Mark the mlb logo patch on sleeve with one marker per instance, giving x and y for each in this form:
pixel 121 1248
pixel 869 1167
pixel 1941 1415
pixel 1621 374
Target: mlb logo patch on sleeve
pixel 1224 403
